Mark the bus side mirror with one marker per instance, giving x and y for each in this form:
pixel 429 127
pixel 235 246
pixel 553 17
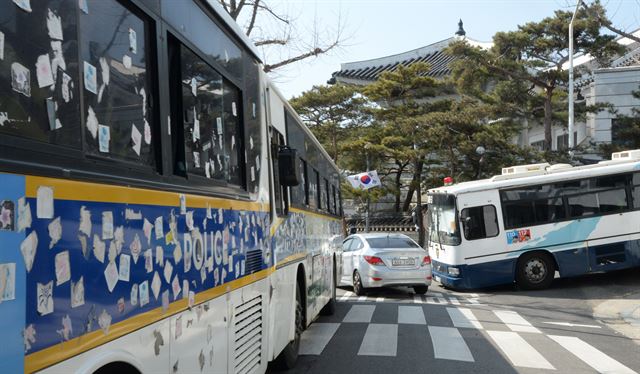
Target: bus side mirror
pixel 288 170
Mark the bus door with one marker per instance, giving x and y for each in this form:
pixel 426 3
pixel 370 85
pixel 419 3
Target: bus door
pixel 479 222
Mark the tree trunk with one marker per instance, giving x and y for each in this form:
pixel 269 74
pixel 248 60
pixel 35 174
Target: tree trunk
pixel 407 200
pixel 396 206
pixel 547 119
pixel 418 174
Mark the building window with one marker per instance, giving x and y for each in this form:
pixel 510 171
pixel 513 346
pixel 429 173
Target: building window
pixel 539 145
pixel 562 142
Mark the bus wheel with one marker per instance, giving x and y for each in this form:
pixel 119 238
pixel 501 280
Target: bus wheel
pixel 358 289
pixel 535 271
pixel 289 354
pixel 330 308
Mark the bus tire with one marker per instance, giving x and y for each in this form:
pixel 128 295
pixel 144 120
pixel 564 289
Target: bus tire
pixel 289 355
pixel 358 288
pixel 535 271
pixel 330 308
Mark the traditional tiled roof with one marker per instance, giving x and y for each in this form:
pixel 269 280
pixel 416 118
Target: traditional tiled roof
pixel 363 72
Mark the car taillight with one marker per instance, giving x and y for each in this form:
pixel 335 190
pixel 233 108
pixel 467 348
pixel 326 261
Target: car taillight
pixel 373 260
pixel 426 261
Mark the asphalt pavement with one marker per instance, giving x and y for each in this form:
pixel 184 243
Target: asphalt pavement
pixel 500 330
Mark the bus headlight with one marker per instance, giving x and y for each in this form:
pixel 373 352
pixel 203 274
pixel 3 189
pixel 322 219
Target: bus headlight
pixel 453 271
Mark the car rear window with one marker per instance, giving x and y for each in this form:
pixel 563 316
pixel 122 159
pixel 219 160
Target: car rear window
pixel 392 242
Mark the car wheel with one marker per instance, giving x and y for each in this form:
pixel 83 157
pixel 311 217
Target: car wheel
pixel 420 290
pixel 289 355
pixel 535 271
pixel 358 289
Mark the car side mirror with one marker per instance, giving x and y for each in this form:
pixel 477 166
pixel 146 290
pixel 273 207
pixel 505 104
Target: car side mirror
pixel 288 169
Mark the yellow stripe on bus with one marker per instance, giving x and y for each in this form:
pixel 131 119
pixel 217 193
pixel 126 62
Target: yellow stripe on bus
pixel 86 191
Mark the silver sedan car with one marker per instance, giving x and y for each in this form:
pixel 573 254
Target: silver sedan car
pixel 380 259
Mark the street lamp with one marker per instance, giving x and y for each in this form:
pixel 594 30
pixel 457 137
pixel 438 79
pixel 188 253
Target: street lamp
pixel 575 12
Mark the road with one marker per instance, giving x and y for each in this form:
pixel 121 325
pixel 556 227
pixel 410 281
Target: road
pixel 501 330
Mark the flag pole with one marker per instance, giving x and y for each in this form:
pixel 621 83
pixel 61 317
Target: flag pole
pixel 366 217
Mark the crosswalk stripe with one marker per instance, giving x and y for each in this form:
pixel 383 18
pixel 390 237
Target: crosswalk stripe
pixel 417 299
pixel 435 294
pixel 380 340
pixel 362 298
pixel 463 317
pixel 440 300
pixel 316 338
pixel 346 296
pixel 591 356
pixel 360 313
pixel 411 315
pixel 448 344
pixel 514 321
pixel 454 301
pixel 379 299
pixel 518 351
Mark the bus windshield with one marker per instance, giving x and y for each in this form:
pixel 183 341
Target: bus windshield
pixel 442 225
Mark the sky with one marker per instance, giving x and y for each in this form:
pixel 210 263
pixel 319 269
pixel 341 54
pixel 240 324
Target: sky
pixel 377 28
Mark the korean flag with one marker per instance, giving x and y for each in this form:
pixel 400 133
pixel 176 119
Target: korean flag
pixel 365 180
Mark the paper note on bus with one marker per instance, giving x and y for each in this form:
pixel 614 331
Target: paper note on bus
pixel 44 203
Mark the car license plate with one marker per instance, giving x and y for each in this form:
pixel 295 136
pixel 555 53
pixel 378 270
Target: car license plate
pixel 402 261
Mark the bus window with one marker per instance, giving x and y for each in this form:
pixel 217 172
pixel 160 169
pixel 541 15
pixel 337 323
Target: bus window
pixel 280 196
pixel 119 117
pixel 441 220
pixel 479 222
pixel 210 112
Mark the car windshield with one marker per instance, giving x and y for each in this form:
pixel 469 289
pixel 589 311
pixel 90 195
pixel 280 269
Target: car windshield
pixel 442 226
pixel 392 242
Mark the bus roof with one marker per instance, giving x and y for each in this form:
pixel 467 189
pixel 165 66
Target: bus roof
pixel 548 175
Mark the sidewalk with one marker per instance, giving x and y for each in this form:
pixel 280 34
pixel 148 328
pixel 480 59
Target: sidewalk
pixel 622 313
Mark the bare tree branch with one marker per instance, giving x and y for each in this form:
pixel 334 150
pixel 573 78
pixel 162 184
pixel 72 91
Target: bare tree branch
pixel 271 42
pixel 254 13
pixel 315 52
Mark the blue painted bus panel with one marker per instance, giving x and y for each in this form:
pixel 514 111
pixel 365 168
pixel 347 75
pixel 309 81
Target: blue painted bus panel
pixel 215 242
pixel 572 262
pixel 12 318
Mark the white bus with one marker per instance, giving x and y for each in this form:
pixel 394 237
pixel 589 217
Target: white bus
pixel 154 217
pixel 534 220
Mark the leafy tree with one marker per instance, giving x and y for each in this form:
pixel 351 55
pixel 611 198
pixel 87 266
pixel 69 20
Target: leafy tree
pixel 527 65
pixel 333 113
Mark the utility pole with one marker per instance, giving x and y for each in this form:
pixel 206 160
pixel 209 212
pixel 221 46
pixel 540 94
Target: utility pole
pixel 575 12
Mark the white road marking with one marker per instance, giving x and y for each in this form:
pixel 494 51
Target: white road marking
pixel 464 318
pixel 380 340
pixel 569 324
pixel 417 299
pixel 440 300
pixel 379 299
pixel 411 315
pixel 454 301
pixel 362 298
pixel 448 344
pixel 360 313
pixel 435 294
pixel 316 338
pixel 346 296
pixel 518 351
pixel 515 322
pixel 591 356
